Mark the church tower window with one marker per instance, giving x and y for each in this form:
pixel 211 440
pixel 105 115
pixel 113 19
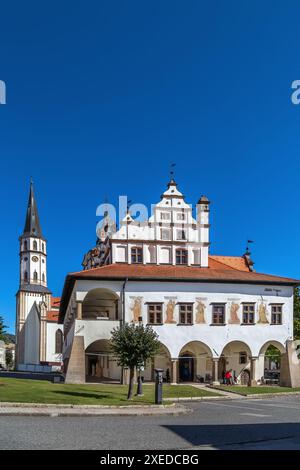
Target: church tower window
pixel 35 276
pixel 25 245
pixel 25 276
pixel 58 342
pixel 34 245
pixel 43 277
pixel 181 256
pixel 136 255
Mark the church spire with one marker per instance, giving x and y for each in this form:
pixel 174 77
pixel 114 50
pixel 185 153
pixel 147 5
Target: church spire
pixel 32 226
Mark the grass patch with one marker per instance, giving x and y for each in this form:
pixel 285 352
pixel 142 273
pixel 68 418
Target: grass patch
pixel 40 391
pixel 255 390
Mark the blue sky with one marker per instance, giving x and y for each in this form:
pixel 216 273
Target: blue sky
pixel 102 96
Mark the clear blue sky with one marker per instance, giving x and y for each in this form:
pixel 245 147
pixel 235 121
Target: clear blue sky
pixel 102 96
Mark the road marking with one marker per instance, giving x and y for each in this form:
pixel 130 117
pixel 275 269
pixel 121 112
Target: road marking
pixel 282 406
pixel 234 406
pixel 255 414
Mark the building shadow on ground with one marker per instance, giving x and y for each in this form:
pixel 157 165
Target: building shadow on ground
pixel 230 436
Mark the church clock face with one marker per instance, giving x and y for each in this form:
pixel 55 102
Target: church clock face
pixel 35 259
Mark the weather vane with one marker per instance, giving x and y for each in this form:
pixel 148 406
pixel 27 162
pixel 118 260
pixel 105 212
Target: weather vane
pixel 172 170
pixel 248 242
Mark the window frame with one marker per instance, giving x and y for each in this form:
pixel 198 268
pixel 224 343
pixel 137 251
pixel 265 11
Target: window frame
pixel 276 314
pixel 165 230
pixel 184 308
pixel 179 254
pixel 183 236
pixel 155 309
pixel 219 305
pixel 136 253
pixel 247 314
pixel 59 337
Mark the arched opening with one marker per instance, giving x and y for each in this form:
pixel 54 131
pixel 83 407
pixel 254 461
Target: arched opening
pixel 35 245
pixel 100 364
pixel 100 304
pixel 58 342
pixel 25 276
pixel 270 362
pixel 25 245
pixel 236 358
pixel 35 276
pixel 161 361
pixel 195 363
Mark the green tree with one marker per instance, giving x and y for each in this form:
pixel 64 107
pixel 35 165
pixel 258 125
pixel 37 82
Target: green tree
pixel 134 345
pixel 9 359
pixel 297 302
pixel 296 313
pixel 2 329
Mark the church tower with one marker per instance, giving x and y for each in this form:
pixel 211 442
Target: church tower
pixel 33 297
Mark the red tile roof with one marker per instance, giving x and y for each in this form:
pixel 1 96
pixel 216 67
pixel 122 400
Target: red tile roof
pixel 215 272
pixel 223 269
pixel 52 315
pixel 55 302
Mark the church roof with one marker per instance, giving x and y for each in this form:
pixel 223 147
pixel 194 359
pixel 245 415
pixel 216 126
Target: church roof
pixel 221 269
pixel 32 226
pixel 36 288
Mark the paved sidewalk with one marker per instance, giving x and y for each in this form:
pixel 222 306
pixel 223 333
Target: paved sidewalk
pixel 36 409
pixel 223 393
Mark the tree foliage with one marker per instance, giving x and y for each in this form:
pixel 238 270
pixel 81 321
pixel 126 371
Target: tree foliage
pixel 296 313
pixel 2 329
pixel 133 345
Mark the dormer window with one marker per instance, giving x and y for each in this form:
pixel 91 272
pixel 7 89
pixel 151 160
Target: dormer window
pixel 136 255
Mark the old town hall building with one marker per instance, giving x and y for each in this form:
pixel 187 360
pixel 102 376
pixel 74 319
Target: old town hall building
pixel 212 313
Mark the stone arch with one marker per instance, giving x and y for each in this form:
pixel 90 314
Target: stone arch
pixel 100 364
pixel 161 361
pixel 236 356
pixel 195 362
pixel 269 363
pixel 101 303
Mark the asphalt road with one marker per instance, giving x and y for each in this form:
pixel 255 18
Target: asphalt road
pixel 237 424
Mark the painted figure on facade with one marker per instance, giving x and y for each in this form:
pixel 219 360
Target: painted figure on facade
pixel 262 313
pixel 200 309
pixel 136 309
pixel 94 257
pixel 233 313
pixel 170 312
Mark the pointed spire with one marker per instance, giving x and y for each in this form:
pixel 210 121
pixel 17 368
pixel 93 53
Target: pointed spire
pixel 32 223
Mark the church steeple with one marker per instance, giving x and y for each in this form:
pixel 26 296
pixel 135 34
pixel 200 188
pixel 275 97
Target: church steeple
pixel 32 226
pixel 33 250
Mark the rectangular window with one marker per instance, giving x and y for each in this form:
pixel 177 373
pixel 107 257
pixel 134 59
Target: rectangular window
pixel 165 216
pixel 181 256
pixel 165 234
pixel 218 314
pixel 137 255
pixel 248 314
pixel 155 314
pixel 243 358
pixel 186 314
pixel 180 216
pixel 181 235
pixel 276 314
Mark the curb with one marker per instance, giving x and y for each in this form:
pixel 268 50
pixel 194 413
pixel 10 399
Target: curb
pixel 52 410
pixel 258 395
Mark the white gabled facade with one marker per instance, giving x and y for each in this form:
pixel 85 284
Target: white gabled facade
pixel 211 313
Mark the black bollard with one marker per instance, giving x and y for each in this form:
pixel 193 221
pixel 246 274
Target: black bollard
pixel 158 386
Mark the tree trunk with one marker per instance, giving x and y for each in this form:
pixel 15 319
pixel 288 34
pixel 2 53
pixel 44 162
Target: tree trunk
pixel 131 384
